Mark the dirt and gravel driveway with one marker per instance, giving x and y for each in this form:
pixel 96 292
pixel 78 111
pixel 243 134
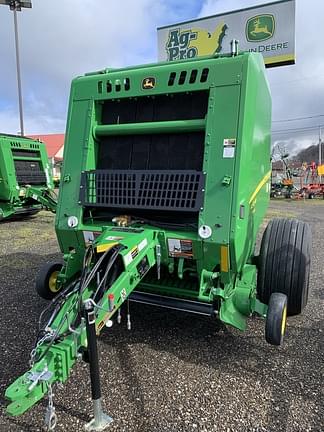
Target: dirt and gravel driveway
pixel 172 372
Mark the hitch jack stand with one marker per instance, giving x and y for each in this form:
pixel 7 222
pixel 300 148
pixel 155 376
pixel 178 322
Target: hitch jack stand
pixel 101 420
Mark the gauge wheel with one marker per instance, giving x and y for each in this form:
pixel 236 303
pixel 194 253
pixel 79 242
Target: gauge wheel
pixel 275 325
pixel 46 280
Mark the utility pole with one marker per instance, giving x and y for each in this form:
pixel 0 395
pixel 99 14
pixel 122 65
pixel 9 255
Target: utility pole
pixel 21 115
pixel 320 150
pixel 15 6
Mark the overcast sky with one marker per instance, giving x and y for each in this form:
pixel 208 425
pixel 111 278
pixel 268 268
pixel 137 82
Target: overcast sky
pixel 65 38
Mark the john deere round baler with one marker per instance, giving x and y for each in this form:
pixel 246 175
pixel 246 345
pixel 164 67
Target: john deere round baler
pixel 165 184
pixel 26 184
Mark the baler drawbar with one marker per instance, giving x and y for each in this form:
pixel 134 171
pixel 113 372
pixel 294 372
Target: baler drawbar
pixel 62 325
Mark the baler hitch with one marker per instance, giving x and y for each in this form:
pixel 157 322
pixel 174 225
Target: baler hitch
pixel 79 314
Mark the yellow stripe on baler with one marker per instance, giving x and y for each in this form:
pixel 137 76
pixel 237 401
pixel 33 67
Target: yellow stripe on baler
pixel 260 186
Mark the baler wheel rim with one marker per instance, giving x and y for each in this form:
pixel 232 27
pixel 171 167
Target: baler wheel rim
pixel 284 321
pixel 46 280
pixel 52 282
pixel 276 321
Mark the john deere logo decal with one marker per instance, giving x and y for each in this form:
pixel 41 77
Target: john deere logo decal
pixel 148 83
pixel 260 28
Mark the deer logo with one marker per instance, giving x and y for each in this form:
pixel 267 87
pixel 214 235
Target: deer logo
pixel 260 28
pixel 148 83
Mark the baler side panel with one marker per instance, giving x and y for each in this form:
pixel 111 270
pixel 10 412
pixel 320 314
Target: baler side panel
pixel 4 181
pixel 80 120
pixel 221 125
pixel 9 191
pixel 46 166
pixel 252 169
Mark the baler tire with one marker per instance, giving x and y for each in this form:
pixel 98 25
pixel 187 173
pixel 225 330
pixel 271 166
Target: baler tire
pixel 43 280
pixel 284 263
pixel 275 325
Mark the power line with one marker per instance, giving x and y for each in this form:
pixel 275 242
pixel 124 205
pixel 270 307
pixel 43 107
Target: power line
pixel 297 129
pixel 298 118
pixel 308 79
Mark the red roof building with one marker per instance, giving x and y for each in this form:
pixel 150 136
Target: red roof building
pixel 54 144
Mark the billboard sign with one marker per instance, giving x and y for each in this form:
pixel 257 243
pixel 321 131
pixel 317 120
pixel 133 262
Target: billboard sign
pixel 268 29
pixel 16 4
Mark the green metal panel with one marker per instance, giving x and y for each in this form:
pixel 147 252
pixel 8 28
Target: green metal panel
pixel 224 103
pixel 252 167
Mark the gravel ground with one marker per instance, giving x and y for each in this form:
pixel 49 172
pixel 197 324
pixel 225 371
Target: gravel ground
pixel 172 372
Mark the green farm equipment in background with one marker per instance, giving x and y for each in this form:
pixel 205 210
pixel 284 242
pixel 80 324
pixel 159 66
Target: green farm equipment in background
pixel 165 183
pixel 26 184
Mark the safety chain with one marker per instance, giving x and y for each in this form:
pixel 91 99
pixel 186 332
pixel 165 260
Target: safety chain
pixel 45 338
pixel 50 415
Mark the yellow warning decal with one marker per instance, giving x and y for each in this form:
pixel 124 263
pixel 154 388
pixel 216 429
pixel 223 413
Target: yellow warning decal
pixel 99 327
pixel 224 264
pixel 105 246
pixel 102 323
